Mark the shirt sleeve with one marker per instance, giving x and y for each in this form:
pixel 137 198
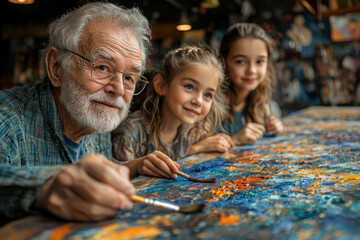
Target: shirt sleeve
pixel 19 186
pixel 124 141
pixel 19 182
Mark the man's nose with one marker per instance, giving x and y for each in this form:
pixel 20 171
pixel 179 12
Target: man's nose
pixel 116 85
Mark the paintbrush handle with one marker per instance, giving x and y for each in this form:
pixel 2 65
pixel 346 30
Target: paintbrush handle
pixel 267 113
pixel 156 203
pixel 183 174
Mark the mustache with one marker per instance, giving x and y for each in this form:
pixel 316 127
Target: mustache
pixel 103 97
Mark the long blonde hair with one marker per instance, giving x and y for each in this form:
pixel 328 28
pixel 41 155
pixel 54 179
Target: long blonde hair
pixel 174 62
pixel 254 110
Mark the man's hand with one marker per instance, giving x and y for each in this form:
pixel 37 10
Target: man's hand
pixel 154 164
pixel 217 143
pixel 92 189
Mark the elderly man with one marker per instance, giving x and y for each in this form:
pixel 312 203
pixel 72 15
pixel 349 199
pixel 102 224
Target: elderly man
pixel 55 141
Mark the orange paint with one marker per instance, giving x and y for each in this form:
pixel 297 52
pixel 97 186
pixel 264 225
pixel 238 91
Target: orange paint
pixel 229 220
pixel 166 222
pixel 231 168
pixel 134 232
pixel 242 184
pixel 297 190
pixel 61 232
pixel 251 160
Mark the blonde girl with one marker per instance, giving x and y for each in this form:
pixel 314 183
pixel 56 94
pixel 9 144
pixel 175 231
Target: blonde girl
pixel 183 107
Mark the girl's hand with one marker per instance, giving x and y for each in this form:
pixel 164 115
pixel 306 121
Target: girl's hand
pixel 154 164
pixel 250 133
pixel 217 143
pixel 275 126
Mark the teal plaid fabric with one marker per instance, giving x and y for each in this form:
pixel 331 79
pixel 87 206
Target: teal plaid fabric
pixel 32 146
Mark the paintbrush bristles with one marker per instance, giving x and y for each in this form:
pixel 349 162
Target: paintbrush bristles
pixel 193 179
pixel 208 180
pixel 195 208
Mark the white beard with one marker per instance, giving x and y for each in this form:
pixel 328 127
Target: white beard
pixel 78 103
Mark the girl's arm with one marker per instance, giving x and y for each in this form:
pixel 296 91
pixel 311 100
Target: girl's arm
pixel 217 143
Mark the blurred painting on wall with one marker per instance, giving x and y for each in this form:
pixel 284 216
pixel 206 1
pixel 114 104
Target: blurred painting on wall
pixel 345 28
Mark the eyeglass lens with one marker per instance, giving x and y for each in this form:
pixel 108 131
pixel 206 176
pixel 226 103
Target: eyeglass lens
pixel 104 71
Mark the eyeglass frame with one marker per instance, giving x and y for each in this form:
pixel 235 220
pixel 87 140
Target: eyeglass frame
pixel 123 73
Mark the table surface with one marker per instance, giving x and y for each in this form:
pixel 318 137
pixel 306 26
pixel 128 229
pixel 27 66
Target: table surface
pixel 302 184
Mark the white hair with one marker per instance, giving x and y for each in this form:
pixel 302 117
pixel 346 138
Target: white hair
pixel 65 32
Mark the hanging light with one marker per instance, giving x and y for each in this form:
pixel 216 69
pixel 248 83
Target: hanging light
pixel 210 4
pixel 22 1
pixel 184 22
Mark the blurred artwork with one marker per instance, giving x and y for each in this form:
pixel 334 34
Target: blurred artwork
pixel 345 28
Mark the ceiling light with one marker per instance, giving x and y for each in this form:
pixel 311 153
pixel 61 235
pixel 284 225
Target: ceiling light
pixel 184 22
pixel 22 1
pixel 210 3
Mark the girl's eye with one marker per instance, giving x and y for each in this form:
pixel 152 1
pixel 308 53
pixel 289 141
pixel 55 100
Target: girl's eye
pixel 239 61
pixel 209 95
pixel 261 61
pixel 189 86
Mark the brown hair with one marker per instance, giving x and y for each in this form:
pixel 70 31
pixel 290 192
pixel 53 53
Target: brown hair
pixel 254 108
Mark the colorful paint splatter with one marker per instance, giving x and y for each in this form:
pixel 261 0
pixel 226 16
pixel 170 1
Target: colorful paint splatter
pixel 302 184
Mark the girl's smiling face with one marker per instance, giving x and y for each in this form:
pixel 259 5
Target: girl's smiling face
pixel 247 63
pixel 188 97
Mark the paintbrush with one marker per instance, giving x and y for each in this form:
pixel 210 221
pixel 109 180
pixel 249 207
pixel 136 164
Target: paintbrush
pixel 267 119
pixel 194 208
pixel 267 113
pixel 193 179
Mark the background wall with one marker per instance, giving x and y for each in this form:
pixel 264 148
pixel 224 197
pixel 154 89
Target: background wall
pixel 317 55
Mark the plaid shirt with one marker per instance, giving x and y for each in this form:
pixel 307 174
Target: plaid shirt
pixel 32 145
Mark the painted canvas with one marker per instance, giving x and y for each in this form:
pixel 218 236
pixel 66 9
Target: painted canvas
pixel 302 184
pixel 345 28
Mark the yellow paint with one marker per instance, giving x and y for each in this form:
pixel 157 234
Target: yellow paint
pixel 304 234
pixel 348 203
pixel 351 178
pixel 316 186
pixel 229 220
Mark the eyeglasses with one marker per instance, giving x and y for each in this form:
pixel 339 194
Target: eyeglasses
pixel 104 71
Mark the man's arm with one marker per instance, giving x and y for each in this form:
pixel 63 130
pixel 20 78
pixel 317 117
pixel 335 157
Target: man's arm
pixel 19 186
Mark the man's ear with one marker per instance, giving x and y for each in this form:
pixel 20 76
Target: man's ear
pixel 53 67
pixel 159 85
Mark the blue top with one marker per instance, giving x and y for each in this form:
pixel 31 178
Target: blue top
pixel 32 146
pixel 231 128
pixel 76 150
